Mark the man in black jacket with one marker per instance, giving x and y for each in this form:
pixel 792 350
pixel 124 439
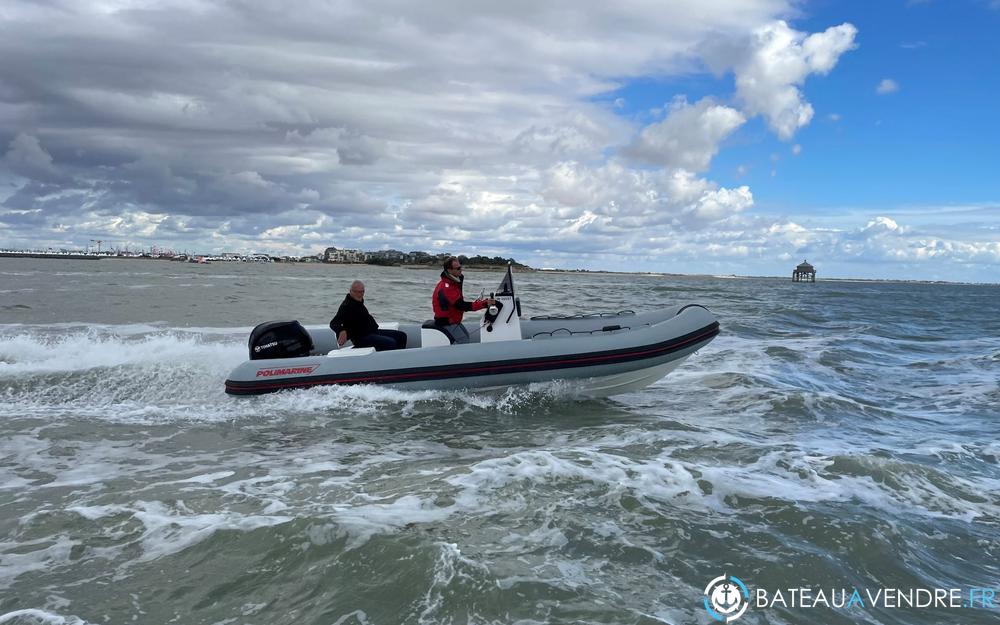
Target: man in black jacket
pixel 354 322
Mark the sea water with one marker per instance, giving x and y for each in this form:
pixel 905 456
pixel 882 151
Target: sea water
pixel 834 435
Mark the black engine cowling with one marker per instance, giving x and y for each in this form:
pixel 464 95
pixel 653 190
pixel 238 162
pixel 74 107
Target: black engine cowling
pixel 279 339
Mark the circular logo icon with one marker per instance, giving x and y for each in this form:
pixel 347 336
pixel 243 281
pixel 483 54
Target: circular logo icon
pixel 726 598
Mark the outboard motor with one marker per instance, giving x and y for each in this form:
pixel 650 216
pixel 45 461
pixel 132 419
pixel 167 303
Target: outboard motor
pixel 279 339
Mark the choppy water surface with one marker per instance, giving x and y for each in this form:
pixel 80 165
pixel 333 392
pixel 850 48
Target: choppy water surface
pixel 834 435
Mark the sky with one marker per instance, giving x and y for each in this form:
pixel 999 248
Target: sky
pixel 691 136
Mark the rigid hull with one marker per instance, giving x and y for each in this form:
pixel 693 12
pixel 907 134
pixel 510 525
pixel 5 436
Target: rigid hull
pixel 605 354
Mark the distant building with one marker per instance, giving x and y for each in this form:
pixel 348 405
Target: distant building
pixel 420 258
pixel 804 273
pixel 386 257
pixel 334 255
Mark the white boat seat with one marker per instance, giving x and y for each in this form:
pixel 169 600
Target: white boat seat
pixel 432 335
pixel 351 351
pixel 388 325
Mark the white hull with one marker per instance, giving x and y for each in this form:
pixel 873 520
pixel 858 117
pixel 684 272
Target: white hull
pixel 626 382
pixel 606 385
pixel 601 356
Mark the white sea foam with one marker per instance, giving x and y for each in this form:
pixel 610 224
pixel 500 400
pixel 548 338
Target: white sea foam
pixel 120 330
pixel 33 556
pixel 358 616
pixel 207 478
pixel 33 616
pixel 27 353
pixel 803 478
pixel 504 483
pixel 169 529
pixel 147 374
pixel 512 483
pixel 451 569
pixel 519 490
pixel 361 522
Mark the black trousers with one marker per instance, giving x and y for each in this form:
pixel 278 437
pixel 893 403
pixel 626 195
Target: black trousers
pixel 456 332
pixel 382 340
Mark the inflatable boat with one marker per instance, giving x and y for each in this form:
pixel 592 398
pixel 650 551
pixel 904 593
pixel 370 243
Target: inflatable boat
pixel 603 354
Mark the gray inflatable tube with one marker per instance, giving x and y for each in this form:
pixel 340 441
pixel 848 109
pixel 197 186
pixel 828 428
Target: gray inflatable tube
pixel 603 354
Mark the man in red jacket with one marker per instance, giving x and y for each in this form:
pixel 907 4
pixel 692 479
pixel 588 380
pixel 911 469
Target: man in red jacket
pixel 449 305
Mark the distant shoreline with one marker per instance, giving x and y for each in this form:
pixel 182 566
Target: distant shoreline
pixel 497 268
pixel 53 255
pixel 738 277
pixel 525 269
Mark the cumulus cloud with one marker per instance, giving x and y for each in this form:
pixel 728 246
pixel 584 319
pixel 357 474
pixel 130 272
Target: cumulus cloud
pixel 883 239
pixel 689 137
pixel 640 199
pixel 376 124
pixel 771 66
pixel 881 226
pixel 26 157
pixel 886 86
pixel 881 247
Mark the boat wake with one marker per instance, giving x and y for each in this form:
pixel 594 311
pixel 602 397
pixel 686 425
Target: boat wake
pixel 146 374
